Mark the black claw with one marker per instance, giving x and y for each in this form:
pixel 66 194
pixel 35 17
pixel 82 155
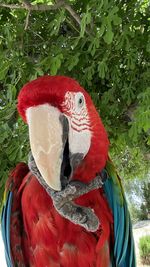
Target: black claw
pixel 83 217
pixel 79 210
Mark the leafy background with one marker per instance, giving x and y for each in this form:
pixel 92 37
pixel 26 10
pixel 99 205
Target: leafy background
pixel 105 45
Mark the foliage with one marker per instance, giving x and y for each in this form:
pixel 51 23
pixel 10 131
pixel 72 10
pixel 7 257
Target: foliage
pixel 145 206
pixel 135 213
pixel 138 195
pixel 144 246
pixel 105 45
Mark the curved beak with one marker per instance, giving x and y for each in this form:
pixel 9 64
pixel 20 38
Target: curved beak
pixel 47 142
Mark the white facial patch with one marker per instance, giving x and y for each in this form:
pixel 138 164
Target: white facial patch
pixel 79 142
pixel 76 112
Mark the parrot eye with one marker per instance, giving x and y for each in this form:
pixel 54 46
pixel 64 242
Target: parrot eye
pixel 80 101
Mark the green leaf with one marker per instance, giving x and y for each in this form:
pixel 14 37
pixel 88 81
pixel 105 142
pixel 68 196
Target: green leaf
pixel 7 112
pixel 94 45
pixel 86 19
pixel 11 93
pixel 117 20
pixel 55 25
pixel 3 70
pixel 55 64
pixel 102 69
pixel 73 61
pixel 114 10
pixel 108 37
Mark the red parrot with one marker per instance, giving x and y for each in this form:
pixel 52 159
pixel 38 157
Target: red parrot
pixel 53 216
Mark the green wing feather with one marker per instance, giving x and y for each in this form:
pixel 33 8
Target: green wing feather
pixel 117 185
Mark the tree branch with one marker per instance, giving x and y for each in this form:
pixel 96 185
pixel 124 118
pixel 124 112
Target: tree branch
pixel 11 6
pixel 42 7
pixel 26 5
pixel 27 20
pixel 73 13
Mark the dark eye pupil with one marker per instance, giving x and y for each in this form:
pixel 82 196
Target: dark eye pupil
pixel 80 100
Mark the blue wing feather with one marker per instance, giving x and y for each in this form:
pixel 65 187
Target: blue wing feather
pixel 5 223
pixel 123 239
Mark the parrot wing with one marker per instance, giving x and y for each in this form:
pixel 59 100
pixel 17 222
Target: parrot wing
pixel 11 216
pixel 5 226
pixel 124 254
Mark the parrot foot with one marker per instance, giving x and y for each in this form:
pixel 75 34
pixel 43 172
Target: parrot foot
pixel 80 215
pixel 63 202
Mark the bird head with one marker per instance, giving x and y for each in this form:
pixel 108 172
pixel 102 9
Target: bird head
pixel 67 138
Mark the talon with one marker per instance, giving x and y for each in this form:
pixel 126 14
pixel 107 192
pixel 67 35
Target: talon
pixel 82 216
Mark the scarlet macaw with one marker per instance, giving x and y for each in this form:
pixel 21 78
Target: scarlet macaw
pixel 70 148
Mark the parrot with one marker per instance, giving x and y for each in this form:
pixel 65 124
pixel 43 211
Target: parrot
pixel 66 207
